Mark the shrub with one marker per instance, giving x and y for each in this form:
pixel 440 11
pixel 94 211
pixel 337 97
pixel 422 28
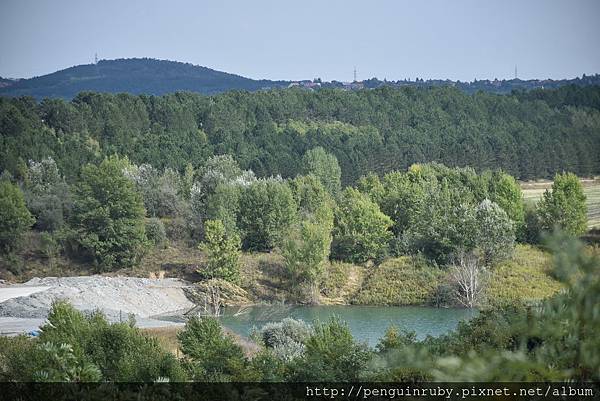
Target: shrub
pixel 286 337
pixel 395 338
pixel 155 231
pixel 15 219
pixel 61 365
pixel 178 229
pixel 336 277
pixel 119 350
pixel 49 246
pixel 267 366
pixel 331 354
pixel 24 359
pixel 210 354
pixel 18 359
pixel 533 227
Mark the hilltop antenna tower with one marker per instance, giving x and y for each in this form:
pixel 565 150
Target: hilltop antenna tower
pixel 96 58
pixel 516 76
pixel 354 73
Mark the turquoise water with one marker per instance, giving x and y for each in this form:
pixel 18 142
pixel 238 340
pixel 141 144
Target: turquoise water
pixel 367 323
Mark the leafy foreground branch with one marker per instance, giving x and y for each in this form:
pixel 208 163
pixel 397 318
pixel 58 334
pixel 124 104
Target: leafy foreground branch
pixel 555 341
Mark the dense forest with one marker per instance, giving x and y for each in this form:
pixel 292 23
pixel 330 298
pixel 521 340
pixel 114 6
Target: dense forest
pixel 528 135
pixel 327 186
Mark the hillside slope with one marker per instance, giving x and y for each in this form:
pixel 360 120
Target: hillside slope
pixel 136 76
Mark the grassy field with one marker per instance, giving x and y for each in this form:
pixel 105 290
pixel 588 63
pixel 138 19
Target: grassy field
pixel 532 192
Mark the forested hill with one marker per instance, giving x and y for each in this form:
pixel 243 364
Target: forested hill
pixel 159 77
pixel 136 76
pixel 527 135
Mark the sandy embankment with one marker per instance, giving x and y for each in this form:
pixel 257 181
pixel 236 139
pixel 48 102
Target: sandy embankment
pixel 24 307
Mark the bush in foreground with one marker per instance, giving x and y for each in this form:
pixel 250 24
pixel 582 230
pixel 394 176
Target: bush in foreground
pixel 210 354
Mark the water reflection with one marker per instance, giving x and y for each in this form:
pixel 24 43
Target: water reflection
pixel 367 323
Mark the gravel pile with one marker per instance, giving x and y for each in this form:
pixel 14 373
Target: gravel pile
pixel 117 297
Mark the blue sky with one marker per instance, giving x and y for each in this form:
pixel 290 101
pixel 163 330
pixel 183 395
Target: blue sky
pixel 455 39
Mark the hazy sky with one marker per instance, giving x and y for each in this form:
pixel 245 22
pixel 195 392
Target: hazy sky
pixel 278 39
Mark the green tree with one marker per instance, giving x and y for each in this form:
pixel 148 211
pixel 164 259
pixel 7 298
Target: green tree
pixel 47 194
pixel 495 237
pixel 210 354
pixel 306 250
pixel 224 204
pixel 402 194
pixel 187 181
pixel 161 193
pixel 216 193
pixel 443 224
pixel 217 170
pixel 325 167
pixel 267 211
pixel 371 185
pixel 108 215
pixel 505 191
pixel 222 250
pixel 15 219
pixel 361 231
pixel 564 206
pixel 310 194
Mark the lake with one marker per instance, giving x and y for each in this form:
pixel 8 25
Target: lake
pixel 367 323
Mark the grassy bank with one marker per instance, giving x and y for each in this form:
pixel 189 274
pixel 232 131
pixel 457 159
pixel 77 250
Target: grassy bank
pixel 525 277
pixel 400 281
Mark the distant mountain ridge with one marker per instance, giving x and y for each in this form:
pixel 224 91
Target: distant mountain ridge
pixel 135 75
pixel 158 77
